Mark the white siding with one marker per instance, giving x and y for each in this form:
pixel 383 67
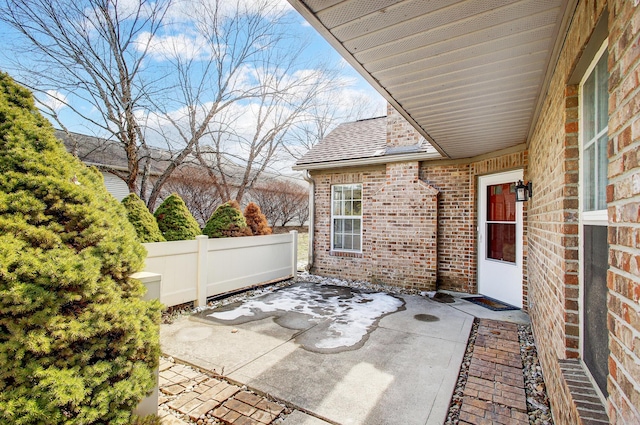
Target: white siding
pixel 115 185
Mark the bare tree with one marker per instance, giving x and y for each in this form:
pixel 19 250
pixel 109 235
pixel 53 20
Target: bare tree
pixel 336 105
pixel 216 71
pixel 302 212
pixel 253 137
pixel 282 201
pixel 91 51
pixel 163 73
pixel 193 185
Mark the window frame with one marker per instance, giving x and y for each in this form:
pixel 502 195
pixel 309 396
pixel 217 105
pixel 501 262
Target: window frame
pixel 335 217
pixel 587 218
pixel 594 217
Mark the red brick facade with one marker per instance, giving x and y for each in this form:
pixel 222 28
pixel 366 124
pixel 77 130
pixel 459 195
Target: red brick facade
pixel 623 195
pixel 419 220
pixel 552 265
pixel 553 217
pixel 399 227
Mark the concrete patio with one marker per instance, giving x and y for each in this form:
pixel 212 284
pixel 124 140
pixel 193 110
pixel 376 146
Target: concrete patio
pixel 403 371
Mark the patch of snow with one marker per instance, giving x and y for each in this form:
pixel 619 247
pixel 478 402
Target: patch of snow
pixel 352 315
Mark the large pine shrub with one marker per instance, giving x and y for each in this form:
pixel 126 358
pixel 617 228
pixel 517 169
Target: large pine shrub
pixel 227 221
pixel 175 221
pixel 77 344
pixel 142 220
pixel 256 221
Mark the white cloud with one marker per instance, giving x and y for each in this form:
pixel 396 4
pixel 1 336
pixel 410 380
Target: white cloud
pixel 184 11
pixel 187 23
pixel 183 45
pixel 53 100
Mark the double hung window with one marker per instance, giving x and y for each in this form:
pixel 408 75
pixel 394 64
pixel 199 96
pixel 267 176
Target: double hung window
pixel 594 250
pixel 346 217
pixel 594 126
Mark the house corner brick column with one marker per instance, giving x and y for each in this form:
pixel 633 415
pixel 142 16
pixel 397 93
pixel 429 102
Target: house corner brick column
pixel 456 225
pixel 402 221
pixel 399 131
pixel 553 218
pixel 623 198
pixel 570 268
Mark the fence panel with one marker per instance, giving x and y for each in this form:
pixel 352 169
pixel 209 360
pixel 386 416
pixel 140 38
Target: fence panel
pixel 177 262
pixel 195 270
pixel 235 263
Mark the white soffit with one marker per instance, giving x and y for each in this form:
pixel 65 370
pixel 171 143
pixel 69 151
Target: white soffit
pixel 468 74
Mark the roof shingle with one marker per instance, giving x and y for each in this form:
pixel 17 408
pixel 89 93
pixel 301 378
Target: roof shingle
pixel 361 139
pixel 351 140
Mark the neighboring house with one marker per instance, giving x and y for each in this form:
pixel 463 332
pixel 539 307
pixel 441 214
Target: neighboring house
pixel 109 158
pixel 539 91
pixel 191 180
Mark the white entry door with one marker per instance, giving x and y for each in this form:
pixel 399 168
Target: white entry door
pixel 500 238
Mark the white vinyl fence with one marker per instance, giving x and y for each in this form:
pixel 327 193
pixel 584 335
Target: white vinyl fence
pixel 198 269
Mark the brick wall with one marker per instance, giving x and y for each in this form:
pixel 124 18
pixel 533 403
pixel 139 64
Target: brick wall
pixel 325 262
pixel 554 222
pixel 553 219
pixel 623 197
pixel 399 131
pixel 419 220
pixel 402 221
pixel 399 227
pixel 456 225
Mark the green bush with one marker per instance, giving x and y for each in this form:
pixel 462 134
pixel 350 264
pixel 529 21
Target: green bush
pixel 175 221
pixel 227 221
pixel 77 344
pixel 256 221
pixel 142 220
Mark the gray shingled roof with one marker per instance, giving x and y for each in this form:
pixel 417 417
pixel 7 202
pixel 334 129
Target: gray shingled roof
pixel 358 140
pixel 108 154
pixel 351 140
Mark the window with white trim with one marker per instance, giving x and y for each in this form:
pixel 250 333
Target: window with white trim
pixel 346 217
pixel 594 101
pixel 594 249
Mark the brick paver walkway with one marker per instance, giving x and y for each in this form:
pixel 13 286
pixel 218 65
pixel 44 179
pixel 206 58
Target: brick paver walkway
pixel 494 393
pixel 189 396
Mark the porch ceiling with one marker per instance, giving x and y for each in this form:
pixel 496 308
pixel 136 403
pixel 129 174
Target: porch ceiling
pixel 468 74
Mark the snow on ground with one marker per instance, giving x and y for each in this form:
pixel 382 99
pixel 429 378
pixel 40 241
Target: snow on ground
pixel 348 315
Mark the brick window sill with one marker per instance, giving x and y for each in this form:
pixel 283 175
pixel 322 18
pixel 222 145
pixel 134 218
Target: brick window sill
pixel 583 396
pixel 345 254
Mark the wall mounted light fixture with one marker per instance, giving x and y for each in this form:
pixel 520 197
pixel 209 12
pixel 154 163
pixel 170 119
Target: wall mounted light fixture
pixel 523 191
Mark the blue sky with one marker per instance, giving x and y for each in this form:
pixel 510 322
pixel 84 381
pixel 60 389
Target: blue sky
pixel 356 86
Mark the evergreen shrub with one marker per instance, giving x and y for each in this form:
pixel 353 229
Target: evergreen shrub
pixel 256 221
pixel 77 343
pixel 175 221
pixel 227 221
pixel 142 220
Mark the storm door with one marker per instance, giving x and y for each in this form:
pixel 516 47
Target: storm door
pixel 500 238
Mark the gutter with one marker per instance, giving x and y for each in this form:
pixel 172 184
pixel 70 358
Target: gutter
pixel 107 168
pixel 312 213
pixel 383 159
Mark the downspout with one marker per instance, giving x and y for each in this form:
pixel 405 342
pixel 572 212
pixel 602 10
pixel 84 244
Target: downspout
pixel 312 213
